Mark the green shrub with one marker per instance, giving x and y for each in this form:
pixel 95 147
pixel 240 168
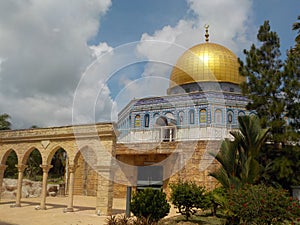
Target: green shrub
pixel 260 204
pixel 151 204
pixel 187 197
pixel 216 199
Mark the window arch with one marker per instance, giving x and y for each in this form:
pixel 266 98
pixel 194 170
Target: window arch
pixel 241 113
pixel 218 116
pixel 146 120
pixel 181 118
pixel 192 116
pixel 230 117
pixel 203 116
pixel 137 121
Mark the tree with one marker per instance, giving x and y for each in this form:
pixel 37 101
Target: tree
pixel 296 26
pixel 273 88
pixel 59 164
pixel 4 122
pixel 267 83
pixel 283 167
pixel 292 83
pixel 238 158
pixel 33 168
pixel 187 197
pixel 150 204
pixel 12 160
pixel 261 204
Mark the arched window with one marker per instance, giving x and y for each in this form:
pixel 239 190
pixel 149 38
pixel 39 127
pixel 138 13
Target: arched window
pixel 203 116
pixel 230 117
pixel 137 121
pixel 218 116
pixel 181 118
pixel 146 120
pixel 242 113
pixel 129 121
pixel 252 113
pixel 192 116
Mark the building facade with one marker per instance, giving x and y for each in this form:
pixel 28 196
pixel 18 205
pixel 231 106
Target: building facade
pixel 200 109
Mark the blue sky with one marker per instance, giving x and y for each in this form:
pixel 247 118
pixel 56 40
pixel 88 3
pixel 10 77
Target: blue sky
pixel 48 50
pixel 120 25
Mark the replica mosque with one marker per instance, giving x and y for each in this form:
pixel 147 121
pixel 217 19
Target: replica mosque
pixel 156 141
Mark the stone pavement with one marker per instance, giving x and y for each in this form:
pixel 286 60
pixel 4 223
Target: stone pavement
pixel 84 212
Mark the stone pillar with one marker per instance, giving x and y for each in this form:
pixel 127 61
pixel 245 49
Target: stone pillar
pixel 2 169
pixel 72 169
pixel 104 201
pixel 46 169
pixel 21 169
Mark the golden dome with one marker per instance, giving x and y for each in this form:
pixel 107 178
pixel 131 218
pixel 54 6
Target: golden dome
pixel 206 62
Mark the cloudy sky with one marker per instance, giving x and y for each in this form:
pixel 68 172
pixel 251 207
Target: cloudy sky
pixel 81 61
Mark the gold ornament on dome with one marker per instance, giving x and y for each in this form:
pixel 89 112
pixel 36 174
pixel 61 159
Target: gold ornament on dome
pixel 206 62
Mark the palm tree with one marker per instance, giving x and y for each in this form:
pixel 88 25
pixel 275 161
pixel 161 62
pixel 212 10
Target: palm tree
pixel 4 123
pixel 238 158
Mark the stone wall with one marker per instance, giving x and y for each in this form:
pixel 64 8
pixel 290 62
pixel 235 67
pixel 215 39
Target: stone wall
pixel 30 189
pixel 85 182
pixel 188 160
pixel 192 154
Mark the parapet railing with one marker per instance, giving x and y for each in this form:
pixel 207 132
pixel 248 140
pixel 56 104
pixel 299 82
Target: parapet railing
pixel 174 133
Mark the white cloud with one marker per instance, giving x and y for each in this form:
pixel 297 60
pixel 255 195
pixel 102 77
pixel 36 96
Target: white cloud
pixel 44 44
pixel 100 50
pixel 45 47
pixel 229 21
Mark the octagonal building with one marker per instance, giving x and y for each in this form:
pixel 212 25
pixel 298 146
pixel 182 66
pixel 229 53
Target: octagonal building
pixel 203 100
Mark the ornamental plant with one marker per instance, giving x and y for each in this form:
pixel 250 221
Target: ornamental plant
pixel 188 197
pixel 150 204
pixel 260 204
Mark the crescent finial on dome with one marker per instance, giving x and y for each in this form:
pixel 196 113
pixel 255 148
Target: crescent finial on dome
pixel 206 33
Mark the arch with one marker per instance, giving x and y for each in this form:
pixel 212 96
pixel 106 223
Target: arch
pixel 137 121
pixel 170 115
pixel 171 118
pixel 161 121
pixel 241 113
pixel 6 154
pixel 147 120
pixel 218 116
pixel 10 158
pixel 203 116
pixel 88 153
pixel 86 157
pixel 230 117
pixel 192 116
pixel 181 118
pixel 58 159
pixel 33 160
pixel 27 154
pixel 156 115
pixel 252 113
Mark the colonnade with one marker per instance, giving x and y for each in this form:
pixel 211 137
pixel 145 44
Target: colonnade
pixel 73 139
pixel 45 168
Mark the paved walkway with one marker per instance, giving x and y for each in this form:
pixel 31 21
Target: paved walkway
pixel 84 212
